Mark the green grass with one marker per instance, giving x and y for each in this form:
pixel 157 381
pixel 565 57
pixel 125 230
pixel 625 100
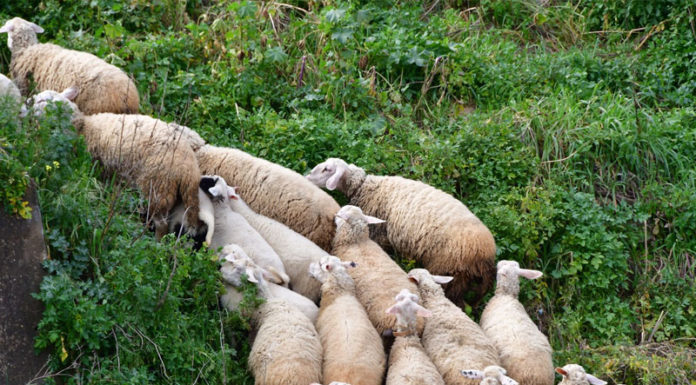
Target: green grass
pixel 570 134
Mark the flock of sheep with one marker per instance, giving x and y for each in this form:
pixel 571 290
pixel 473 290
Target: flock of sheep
pixel 301 249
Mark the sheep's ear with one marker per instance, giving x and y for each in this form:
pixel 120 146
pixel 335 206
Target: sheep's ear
pixel 423 312
pixel 530 274
pixel 70 93
pixel 315 271
pixel 505 380
pixel 251 276
pixel 350 264
pixel 332 182
pixel 442 279
pixel 8 27
pixel 373 220
pixel 594 380
pixel 413 279
pixel 394 309
pixel 206 183
pixel 561 371
pixel 35 27
pixel 472 373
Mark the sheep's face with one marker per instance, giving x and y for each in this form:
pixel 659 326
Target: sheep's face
pixel 575 374
pixel 423 276
pixel 39 102
pixel 354 216
pixel 20 27
pixel 511 270
pixel 215 187
pixel 491 375
pixel 328 174
pixel 406 309
pixel 327 265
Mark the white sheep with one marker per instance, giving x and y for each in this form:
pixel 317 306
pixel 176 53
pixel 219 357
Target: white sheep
pixel 353 351
pixel 574 374
pixel 524 351
pixel 408 361
pixel 452 340
pixel 231 227
pixel 423 223
pixel 104 87
pixel 147 152
pixel 378 279
pixel 296 251
pixel 206 214
pixel 287 349
pixel 274 191
pixel 9 89
pixel 490 375
pixel 268 281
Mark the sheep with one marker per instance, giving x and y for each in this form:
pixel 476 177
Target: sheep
pixel 274 191
pixel 231 227
pixel 147 152
pixel 423 223
pixel 377 277
pixel 574 374
pixel 237 262
pixel 452 340
pixel 287 349
pixel 105 88
pixel 9 89
pixel 206 214
pixel 353 351
pixel 491 375
pixel 524 351
pixel 408 361
pixel 296 251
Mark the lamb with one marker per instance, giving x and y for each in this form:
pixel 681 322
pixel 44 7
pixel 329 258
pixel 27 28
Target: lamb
pixel 296 251
pixel 452 340
pixel 377 277
pixel 105 88
pixel 574 374
pixel 491 375
pixel 206 214
pixel 287 349
pixel 353 351
pixel 274 191
pixel 524 351
pixel 408 362
pixel 238 263
pixel 423 223
pixel 231 227
pixel 9 89
pixel 147 152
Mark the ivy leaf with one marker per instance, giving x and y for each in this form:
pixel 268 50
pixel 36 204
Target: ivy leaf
pixel 276 54
pixel 415 56
pixel 334 15
pixel 342 35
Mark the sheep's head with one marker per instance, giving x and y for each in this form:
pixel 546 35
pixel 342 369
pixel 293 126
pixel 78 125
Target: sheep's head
pixel 354 216
pixel 490 375
pixel 575 375
pixel 20 33
pixel 507 278
pixel 329 173
pixel 329 265
pixel 423 277
pixel 215 187
pixel 406 309
pixel 235 264
pixel 39 102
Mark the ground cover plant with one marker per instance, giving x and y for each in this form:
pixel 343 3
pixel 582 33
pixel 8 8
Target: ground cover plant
pixel 569 128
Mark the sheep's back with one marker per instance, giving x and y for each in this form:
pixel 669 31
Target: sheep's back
pixel 432 227
pixel 524 350
pixel 410 365
pixel 287 350
pixel 378 279
pixel 353 350
pixel 453 341
pixel 275 191
pixel 103 87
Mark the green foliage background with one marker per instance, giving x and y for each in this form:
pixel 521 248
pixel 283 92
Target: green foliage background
pixel 569 128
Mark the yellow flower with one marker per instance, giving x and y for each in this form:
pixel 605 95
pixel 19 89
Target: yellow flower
pixel 48 167
pixel 56 164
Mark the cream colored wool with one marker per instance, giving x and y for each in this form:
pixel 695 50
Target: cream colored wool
pixel 490 375
pixel 274 191
pixel 423 223
pixel 296 251
pixel 103 87
pixel 287 349
pixel 353 351
pixel 9 89
pixel 409 364
pixel 377 277
pixel 452 340
pixel 574 374
pixel 524 351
